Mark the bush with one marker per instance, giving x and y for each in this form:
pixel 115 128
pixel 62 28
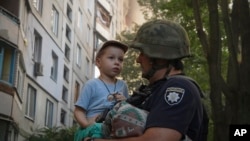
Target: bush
pixel 53 134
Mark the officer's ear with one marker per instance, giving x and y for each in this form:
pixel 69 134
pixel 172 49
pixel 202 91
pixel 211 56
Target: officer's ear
pixel 161 62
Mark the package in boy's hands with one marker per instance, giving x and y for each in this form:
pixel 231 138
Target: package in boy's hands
pixel 124 120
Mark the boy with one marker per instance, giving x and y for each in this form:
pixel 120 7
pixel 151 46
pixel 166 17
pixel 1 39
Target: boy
pixel 96 95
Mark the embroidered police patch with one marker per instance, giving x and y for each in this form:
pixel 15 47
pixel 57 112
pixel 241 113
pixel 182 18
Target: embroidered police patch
pixel 174 95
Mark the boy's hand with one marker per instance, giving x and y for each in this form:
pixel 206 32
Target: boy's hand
pixel 116 97
pixel 119 97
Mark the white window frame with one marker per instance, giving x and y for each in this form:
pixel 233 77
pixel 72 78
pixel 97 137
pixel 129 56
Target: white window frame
pixel 69 13
pixel 37 47
pixel 54 67
pixel 76 91
pixel 87 66
pixel 38 4
pixel 68 33
pixel 65 93
pixel 90 6
pixel 49 114
pixel 80 20
pixel 20 82
pixel 63 117
pixel 88 34
pixel 31 103
pixel 67 52
pixel 78 55
pixel 55 20
pixel 66 73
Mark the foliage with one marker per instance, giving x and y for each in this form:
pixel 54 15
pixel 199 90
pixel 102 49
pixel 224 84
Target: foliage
pixel 195 66
pixel 131 70
pixel 53 134
pixel 181 12
pixel 219 32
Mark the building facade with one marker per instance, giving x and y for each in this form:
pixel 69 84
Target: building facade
pixel 47 50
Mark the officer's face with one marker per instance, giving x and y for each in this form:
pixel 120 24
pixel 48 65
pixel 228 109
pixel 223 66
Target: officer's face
pixel 145 63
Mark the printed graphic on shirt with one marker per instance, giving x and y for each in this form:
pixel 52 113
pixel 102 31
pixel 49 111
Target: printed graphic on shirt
pixel 174 95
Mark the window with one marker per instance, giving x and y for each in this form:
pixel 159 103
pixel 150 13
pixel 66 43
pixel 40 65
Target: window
pixel 54 67
pixel 68 33
pixel 88 35
pixel 67 52
pixel 90 6
pixel 38 4
pixel 31 103
pixel 78 55
pixel 37 47
pixel 3 129
pixel 49 114
pixel 8 131
pixel 55 20
pixel 69 12
pixel 7 63
pixel 63 117
pixel 20 81
pixel 66 74
pixel 79 20
pixel 76 91
pixel 87 66
pixel 65 94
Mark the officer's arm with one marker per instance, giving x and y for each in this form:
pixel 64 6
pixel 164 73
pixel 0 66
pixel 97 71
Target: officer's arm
pixel 152 134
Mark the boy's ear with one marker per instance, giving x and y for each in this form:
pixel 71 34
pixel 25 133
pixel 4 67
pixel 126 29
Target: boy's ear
pixel 97 62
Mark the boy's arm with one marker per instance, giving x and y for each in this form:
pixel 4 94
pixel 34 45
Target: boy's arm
pixel 80 115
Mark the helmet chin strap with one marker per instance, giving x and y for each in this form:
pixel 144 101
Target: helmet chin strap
pixel 149 74
pixel 168 69
pixel 156 67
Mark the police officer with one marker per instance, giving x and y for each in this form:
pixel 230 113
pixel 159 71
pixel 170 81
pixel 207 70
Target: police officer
pixel 174 105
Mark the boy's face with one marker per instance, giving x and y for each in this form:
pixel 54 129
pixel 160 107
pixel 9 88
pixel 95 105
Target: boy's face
pixel 110 62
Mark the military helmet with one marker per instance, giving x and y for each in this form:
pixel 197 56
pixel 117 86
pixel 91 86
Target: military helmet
pixel 162 39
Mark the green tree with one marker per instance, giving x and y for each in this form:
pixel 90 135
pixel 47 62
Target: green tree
pixel 131 70
pixel 52 134
pixel 223 30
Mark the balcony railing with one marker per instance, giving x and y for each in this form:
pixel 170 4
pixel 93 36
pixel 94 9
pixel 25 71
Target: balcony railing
pixel 9 25
pixel 9 15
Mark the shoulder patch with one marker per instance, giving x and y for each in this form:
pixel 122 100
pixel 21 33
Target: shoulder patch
pixel 174 95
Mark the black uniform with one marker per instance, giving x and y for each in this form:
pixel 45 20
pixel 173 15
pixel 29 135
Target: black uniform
pixel 175 103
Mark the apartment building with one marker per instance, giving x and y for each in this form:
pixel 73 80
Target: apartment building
pixel 47 50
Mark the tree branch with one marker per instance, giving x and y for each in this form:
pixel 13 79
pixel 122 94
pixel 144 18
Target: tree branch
pixel 199 27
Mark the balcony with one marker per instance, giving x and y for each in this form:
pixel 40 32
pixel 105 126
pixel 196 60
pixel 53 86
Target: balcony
pixel 10 110
pixel 103 20
pixel 8 26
